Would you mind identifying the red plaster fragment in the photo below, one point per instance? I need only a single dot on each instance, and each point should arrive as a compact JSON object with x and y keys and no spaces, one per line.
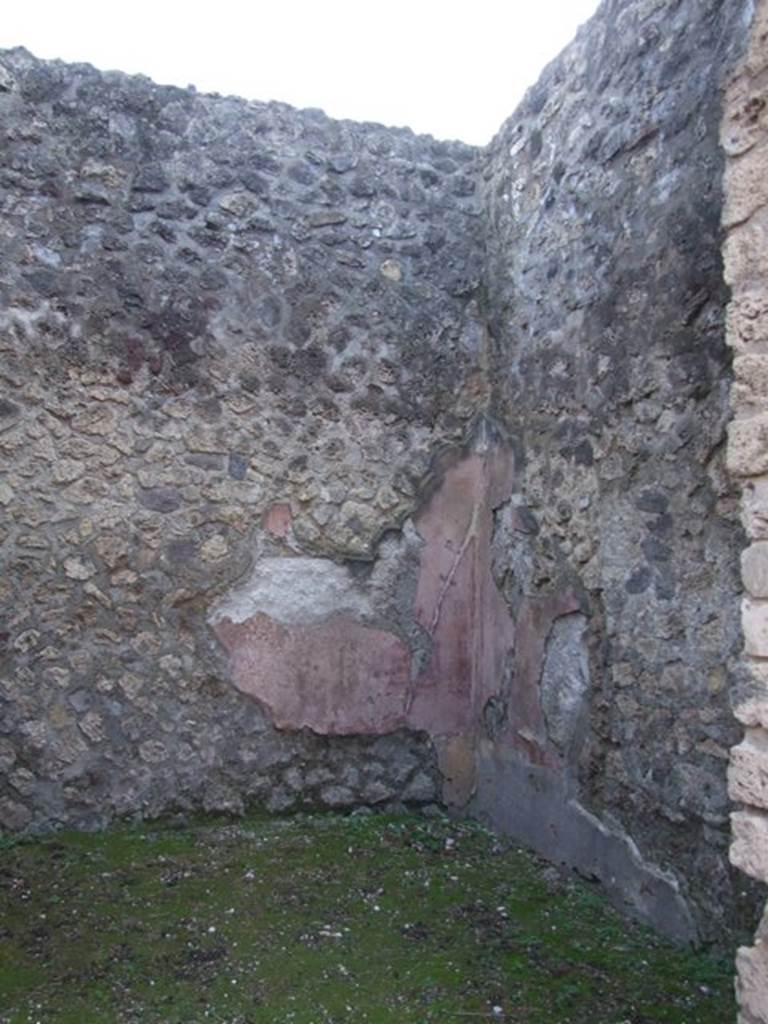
{"x":277,"y":521}
{"x":336,"y":677}
{"x":457,"y":600}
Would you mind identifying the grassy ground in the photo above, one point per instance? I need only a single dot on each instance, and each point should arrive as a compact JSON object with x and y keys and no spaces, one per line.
{"x":315,"y":920}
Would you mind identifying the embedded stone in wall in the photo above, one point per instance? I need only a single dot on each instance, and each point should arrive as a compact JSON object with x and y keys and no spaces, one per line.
{"x":748,"y":771}
{"x":754,"y":504}
{"x":754,"y":621}
{"x":748,"y":446}
{"x":749,"y":845}
{"x":748,"y":188}
{"x":750,"y":698}
{"x":754,"y":565}
{"x":746,"y":321}
{"x":752,"y":979}
{"x":565,"y":681}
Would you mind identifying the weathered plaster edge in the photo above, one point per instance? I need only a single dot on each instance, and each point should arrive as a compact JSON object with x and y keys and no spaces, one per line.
{"x":532,"y":805}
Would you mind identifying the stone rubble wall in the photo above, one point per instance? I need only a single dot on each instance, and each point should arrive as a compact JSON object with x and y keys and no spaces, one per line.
{"x":745,"y":219}
{"x":606,"y":310}
{"x":342,"y":467}
{"x":230,"y":333}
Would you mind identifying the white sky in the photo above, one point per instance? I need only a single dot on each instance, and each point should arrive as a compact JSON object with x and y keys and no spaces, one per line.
{"x":453,"y":69}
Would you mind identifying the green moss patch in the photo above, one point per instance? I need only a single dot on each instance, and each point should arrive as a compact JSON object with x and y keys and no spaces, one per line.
{"x":313,"y":920}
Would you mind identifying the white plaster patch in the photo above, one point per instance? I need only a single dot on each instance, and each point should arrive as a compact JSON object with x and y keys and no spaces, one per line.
{"x":294,"y":591}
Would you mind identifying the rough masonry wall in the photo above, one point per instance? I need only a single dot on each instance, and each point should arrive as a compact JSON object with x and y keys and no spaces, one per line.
{"x":745,"y":218}
{"x":343,"y":466}
{"x":233,"y":335}
{"x":620,"y":548}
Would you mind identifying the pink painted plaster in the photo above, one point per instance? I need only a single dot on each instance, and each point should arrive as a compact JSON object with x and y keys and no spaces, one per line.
{"x":277,"y":520}
{"x":457,"y":600}
{"x":339,"y":676}
{"x":335,"y":677}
